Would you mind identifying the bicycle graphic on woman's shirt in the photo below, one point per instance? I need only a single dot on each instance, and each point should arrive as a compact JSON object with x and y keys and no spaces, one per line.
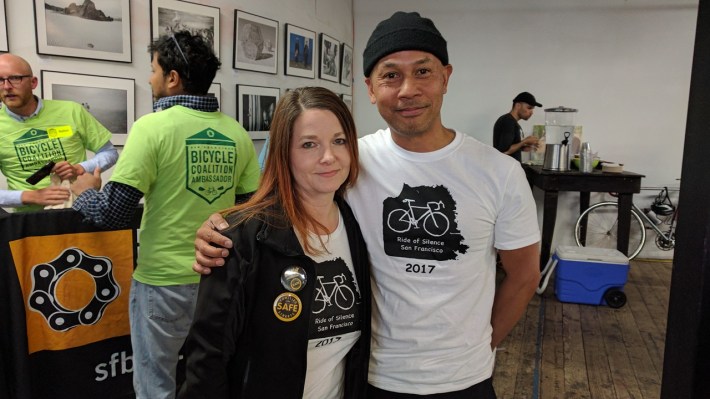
{"x":332,"y":292}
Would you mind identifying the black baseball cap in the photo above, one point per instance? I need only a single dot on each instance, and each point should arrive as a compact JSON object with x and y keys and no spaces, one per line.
{"x":526,"y":97}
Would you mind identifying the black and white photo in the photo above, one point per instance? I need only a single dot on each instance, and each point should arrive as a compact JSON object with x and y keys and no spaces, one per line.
{"x":96,"y":29}
{"x":255,"y":42}
{"x":170,"y":16}
{"x":329,"y":58}
{"x":300,"y":50}
{"x":110,"y":100}
{"x":4,"y":47}
{"x":346,"y":68}
{"x":255,"y":109}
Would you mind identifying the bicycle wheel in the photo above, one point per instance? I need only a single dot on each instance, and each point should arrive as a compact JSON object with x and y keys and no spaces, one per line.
{"x":344,"y":297}
{"x":602,"y":226}
{"x":436,"y":224}
{"x":398,"y":221}
{"x":319,"y":303}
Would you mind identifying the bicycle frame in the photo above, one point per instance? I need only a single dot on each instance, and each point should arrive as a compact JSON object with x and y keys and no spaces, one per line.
{"x":655,"y":228}
{"x":605,"y":225}
{"x":435,"y":223}
{"x":325,"y":299}
{"x":430,"y":208}
{"x":335,"y":284}
{"x":664,"y":240}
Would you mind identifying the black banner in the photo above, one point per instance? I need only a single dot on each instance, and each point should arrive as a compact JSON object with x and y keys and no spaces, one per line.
{"x":64,"y":286}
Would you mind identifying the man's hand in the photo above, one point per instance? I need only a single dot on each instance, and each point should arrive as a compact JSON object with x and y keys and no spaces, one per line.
{"x":529,"y":143}
{"x":87,"y":181}
{"x":206,"y":255}
{"x":67,"y":171}
{"x":52,"y":195}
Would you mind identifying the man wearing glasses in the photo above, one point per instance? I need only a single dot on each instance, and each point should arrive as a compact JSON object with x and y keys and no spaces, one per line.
{"x":35,"y":131}
{"x":188,"y":160}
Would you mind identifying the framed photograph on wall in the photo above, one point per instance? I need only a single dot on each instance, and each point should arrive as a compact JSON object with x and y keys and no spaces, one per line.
{"x":169,"y":16}
{"x":300,"y":47}
{"x":216,"y":91}
{"x":256,"y":42}
{"x":348,"y":100}
{"x":4,"y":47}
{"x":346,"y":65}
{"x":255,"y":109}
{"x":110,"y":100}
{"x":70,"y":30}
{"x":329,"y":58}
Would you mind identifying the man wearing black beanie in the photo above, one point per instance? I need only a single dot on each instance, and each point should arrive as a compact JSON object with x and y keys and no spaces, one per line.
{"x":435,"y":206}
{"x":436,"y":313}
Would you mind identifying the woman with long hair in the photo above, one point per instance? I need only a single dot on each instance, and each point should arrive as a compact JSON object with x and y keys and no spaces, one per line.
{"x":289,"y":314}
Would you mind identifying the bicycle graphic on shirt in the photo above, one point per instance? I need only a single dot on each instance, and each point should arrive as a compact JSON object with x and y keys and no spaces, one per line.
{"x":432,"y":221}
{"x":340,"y":294}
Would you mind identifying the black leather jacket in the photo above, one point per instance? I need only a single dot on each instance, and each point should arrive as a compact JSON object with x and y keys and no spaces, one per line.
{"x":237,"y":348}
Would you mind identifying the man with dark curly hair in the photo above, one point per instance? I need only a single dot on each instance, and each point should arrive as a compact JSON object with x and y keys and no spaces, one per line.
{"x":188,"y":160}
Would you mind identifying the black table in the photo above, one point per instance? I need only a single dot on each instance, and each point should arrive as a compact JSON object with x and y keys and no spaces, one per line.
{"x":552,"y":182}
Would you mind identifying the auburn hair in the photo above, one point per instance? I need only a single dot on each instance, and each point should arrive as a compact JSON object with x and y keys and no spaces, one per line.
{"x":277,"y":182}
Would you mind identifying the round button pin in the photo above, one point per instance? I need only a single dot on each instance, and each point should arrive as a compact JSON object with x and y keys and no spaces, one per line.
{"x":287,"y":306}
{"x":294,"y":278}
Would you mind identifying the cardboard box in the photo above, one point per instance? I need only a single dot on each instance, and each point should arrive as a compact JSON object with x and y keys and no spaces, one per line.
{"x":585,"y":274}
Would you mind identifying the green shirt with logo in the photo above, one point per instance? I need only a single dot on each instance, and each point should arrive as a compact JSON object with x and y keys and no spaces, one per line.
{"x":188,"y":164}
{"x":61,"y":131}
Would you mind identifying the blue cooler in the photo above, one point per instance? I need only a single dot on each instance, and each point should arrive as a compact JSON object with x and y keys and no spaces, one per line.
{"x":593,"y":276}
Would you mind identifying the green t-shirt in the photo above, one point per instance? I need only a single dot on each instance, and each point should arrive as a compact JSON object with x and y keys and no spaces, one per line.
{"x":188,"y":164}
{"x":61,"y":131}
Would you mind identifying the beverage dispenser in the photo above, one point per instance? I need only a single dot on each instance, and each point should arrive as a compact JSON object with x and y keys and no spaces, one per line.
{"x":558,"y":121}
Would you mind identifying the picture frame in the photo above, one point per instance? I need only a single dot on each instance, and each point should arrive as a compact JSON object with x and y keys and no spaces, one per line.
{"x":300,"y":50}
{"x":256,"y":42}
{"x":4,"y":46}
{"x":216,"y":90}
{"x":346,"y":65}
{"x":104,"y":34}
{"x":329,"y":58}
{"x":255,"y":109}
{"x":168,"y":16}
{"x":110,"y":100}
{"x":348,"y":100}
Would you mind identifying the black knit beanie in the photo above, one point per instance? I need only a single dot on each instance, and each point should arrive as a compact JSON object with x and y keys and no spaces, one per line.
{"x":403,"y":31}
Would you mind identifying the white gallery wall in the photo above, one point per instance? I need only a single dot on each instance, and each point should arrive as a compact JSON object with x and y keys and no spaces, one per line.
{"x":332,"y":17}
{"x":624,"y":64}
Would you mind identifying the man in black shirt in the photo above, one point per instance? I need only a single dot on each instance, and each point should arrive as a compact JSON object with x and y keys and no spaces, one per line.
{"x":507,"y":133}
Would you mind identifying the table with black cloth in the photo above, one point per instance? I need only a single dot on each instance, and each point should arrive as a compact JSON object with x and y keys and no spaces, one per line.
{"x":625,"y":184}
{"x":64,"y":287}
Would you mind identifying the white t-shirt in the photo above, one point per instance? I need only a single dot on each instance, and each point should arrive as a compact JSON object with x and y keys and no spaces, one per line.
{"x":334,"y":321}
{"x":432,"y":223}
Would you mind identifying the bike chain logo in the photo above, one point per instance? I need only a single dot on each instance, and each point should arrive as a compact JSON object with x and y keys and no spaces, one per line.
{"x":46,"y":277}
{"x":421,"y":223}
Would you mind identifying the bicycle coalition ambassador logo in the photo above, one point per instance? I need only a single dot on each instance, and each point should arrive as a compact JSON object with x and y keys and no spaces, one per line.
{"x":421,"y":223}
{"x":47,"y":299}
{"x":211,"y":159}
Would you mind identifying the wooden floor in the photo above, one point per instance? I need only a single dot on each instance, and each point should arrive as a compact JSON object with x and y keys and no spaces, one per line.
{"x":564,"y":350}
